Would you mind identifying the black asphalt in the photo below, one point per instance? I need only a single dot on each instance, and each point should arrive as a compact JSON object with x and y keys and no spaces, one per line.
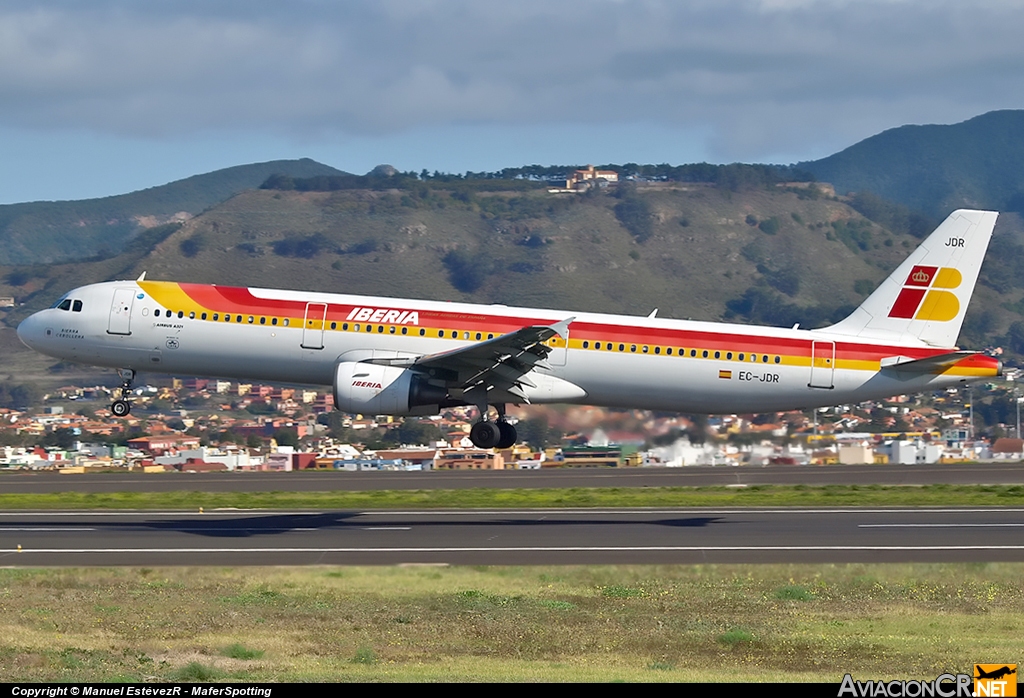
{"x":313,"y":481}
{"x":548,"y":536}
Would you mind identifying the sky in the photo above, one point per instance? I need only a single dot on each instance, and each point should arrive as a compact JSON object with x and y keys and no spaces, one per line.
{"x":99,"y":97}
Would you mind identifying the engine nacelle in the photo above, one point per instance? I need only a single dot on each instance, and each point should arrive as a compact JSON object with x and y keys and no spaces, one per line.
{"x":363,"y":388}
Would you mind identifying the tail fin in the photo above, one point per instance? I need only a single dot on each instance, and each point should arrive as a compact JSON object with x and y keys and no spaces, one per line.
{"x":926,"y":298}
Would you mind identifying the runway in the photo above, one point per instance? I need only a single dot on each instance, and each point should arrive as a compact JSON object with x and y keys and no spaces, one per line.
{"x":695,"y":476}
{"x":523,"y":537}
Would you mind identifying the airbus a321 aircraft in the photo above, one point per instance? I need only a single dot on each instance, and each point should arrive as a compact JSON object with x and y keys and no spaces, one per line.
{"x":394,"y":356}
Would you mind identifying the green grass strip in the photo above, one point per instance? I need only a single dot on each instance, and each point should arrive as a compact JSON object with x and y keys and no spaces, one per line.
{"x":765,"y":496}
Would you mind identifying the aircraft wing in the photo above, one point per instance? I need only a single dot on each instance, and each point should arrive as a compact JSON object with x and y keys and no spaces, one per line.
{"x":498,"y":364}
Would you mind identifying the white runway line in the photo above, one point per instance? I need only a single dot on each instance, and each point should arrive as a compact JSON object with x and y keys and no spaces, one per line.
{"x":941,"y":525}
{"x":530,"y":549}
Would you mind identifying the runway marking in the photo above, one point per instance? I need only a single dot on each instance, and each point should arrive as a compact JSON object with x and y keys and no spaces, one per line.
{"x":530,"y":549}
{"x":44,"y":528}
{"x":941,"y":525}
{"x":387,"y":528}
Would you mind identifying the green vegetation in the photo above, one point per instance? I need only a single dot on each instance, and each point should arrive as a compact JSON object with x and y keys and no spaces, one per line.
{"x":239,"y":651}
{"x":760,"y":495}
{"x":579,"y":623}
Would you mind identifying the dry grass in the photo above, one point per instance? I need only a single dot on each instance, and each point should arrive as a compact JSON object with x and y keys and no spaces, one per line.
{"x":671,"y":623}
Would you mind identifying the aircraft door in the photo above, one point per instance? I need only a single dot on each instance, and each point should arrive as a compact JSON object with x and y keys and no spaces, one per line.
{"x":120,"y":320}
{"x":823,"y":360}
{"x":313,"y":326}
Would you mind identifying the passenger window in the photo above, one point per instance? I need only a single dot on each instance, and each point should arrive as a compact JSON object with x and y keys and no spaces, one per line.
{"x":657,"y":350}
{"x":422,"y":332}
{"x":632,"y":348}
{"x":355,"y":328}
{"x":440,"y":333}
{"x":778,"y":359}
{"x":273,"y":321}
{"x":490,"y":335}
{"x":479,"y":336}
{"x":181,"y":314}
{"x":391,"y":329}
{"x":764,"y":358}
{"x":65,"y":305}
{"x":250,"y":319}
{"x":285,"y":322}
{"x":334,"y":325}
{"x":693,"y":352}
{"x":405,"y":330}
{"x":238,"y":318}
{"x":705,"y":353}
{"x":380,"y":329}
{"x":192,"y":315}
{"x":741,"y":357}
{"x":644,"y":349}
{"x":76,"y":307}
{"x":227,"y":318}
{"x":263,"y":321}
{"x":216,"y":317}
{"x":203,"y":316}
{"x":156,"y":313}
{"x":586,"y":345}
{"x":718,"y":354}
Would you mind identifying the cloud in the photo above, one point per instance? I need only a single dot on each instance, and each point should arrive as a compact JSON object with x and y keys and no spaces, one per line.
{"x":763,"y":78}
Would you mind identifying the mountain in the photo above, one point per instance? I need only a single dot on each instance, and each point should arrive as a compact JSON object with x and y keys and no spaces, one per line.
{"x":769,"y":254}
{"x":936,"y":169}
{"x":44,"y":232}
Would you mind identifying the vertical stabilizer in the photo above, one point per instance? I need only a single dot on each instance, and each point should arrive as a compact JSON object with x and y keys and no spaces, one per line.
{"x":926,"y":298}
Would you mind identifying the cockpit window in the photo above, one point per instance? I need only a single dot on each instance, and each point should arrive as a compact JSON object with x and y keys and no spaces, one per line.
{"x":76,"y":307}
{"x":65,"y":304}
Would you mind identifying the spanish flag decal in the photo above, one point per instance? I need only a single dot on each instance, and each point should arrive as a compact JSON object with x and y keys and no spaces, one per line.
{"x":725,"y":374}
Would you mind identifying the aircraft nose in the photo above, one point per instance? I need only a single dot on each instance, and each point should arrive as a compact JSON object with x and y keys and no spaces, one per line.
{"x":28,"y":331}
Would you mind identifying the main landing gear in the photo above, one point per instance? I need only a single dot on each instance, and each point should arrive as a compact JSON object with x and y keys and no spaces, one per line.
{"x":121,"y":407}
{"x":497,"y":434}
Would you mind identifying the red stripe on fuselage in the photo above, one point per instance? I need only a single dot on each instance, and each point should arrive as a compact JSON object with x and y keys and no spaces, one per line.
{"x":234,"y":299}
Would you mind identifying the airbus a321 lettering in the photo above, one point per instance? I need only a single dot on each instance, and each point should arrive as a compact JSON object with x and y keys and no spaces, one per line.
{"x":408,"y":357}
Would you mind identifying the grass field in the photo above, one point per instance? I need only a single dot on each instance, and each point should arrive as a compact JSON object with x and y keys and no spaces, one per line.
{"x":760,"y":495}
{"x":632,"y":623}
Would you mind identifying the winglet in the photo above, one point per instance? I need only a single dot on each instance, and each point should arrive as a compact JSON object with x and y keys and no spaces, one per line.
{"x":562,"y":328}
{"x":142,"y":277}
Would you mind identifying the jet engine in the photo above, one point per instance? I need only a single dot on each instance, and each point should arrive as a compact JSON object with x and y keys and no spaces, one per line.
{"x":364,"y":388}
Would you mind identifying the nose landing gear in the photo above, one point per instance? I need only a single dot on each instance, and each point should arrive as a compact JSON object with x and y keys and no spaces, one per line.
{"x":121,"y":407}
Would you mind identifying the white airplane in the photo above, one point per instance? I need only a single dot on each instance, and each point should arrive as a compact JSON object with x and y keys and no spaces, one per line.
{"x":407,"y":357}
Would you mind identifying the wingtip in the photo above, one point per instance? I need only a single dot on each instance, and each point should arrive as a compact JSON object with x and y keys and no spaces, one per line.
{"x":562,"y":328}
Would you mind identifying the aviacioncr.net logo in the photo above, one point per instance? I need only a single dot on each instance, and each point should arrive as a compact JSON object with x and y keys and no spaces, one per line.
{"x":943,"y":686}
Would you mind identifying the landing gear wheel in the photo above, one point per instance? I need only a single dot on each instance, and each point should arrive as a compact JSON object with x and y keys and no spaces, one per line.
{"x":508,"y":434}
{"x":121,"y":406}
{"x":485,"y":435}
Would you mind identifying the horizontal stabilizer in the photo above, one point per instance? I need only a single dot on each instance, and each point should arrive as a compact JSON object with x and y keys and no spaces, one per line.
{"x":932,"y":364}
